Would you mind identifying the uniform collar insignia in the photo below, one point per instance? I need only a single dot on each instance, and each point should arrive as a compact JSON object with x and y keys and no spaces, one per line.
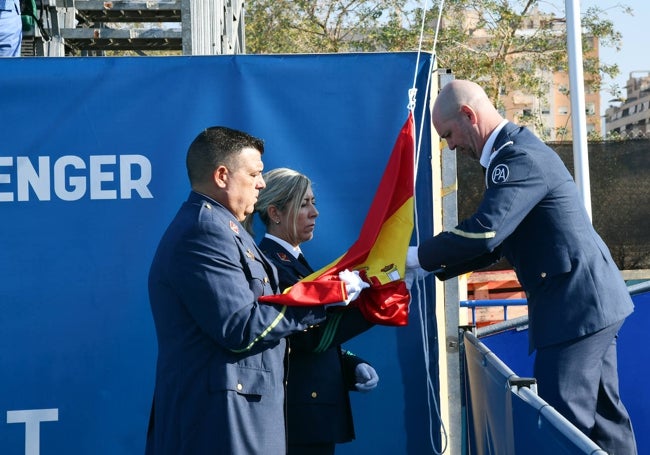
{"x":250,"y":254}
{"x":234,"y":227}
{"x":283,"y":257}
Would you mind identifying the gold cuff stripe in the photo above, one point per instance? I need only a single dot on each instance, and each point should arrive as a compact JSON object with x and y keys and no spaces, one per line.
{"x":266,"y":331}
{"x":474,"y":235}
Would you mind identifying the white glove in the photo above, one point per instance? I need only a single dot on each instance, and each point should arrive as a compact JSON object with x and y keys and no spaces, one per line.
{"x":413,"y":270}
{"x":366,"y":377}
{"x":412,"y":275}
{"x":353,"y":284}
{"x":412,"y":260}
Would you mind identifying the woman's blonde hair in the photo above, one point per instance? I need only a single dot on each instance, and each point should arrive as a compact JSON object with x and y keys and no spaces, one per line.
{"x":285,"y":190}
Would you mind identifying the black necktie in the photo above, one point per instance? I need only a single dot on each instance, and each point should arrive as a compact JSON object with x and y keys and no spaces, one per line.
{"x":304,"y":262}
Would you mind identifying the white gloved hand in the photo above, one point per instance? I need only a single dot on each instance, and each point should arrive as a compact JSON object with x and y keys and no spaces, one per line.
{"x":412,"y":260}
{"x":353,"y":284}
{"x":413,"y":270}
{"x":366,"y":377}
{"x":412,"y":275}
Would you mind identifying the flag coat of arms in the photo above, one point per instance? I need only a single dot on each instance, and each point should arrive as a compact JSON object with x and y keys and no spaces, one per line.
{"x":379,"y":253}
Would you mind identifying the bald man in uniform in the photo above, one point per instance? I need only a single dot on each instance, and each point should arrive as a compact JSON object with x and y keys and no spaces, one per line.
{"x":532,"y":214}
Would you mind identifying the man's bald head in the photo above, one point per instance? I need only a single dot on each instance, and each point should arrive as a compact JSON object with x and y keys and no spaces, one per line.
{"x":464,"y":116}
{"x":459,"y":93}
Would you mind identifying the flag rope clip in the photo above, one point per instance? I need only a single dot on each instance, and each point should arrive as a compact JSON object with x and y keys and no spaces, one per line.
{"x":412,"y":92}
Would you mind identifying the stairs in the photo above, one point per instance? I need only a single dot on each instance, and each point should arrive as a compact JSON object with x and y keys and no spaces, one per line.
{"x":120,"y":26}
{"x":92,"y":27}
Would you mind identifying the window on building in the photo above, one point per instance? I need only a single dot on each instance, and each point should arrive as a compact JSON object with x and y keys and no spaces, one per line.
{"x":563,"y":110}
{"x":590,"y":109}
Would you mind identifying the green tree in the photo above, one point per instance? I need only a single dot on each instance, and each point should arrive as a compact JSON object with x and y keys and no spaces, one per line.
{"x":323,"y":26}
{"x":485,"y":40}
{"x":481,"y":40}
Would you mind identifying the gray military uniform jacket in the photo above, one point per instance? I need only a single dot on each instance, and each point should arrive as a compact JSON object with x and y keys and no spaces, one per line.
{"x":220,"y":374}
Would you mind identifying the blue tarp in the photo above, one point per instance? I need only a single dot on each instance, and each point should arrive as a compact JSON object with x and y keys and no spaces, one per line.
{"x":633,"y":364}
{"x":506,"y":417}
{"x":92,"y":170}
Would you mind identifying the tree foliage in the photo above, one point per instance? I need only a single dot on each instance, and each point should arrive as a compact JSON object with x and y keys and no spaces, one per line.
{"x":481,"y":40}
{"x":323,"y":26}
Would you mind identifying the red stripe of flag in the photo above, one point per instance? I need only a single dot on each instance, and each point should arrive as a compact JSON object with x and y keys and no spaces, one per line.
{"x":384,"y":302}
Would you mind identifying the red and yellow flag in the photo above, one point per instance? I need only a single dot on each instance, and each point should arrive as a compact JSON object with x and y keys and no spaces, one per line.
{"x":379,"y":254}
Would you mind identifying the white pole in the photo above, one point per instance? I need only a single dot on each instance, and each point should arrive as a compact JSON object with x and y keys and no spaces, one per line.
{"x":578,"y":114}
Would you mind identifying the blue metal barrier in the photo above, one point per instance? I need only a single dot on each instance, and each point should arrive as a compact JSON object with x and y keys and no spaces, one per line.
{"x":504,"y":303}
{"x":639,"y":288}
{"x":506,"y":416}
{"x":540,"y":429}
{"x":543,"y":428}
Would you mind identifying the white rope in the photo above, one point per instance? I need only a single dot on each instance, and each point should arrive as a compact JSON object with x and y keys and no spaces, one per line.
{"x":431,"y":64}
{"x":432,"y":403}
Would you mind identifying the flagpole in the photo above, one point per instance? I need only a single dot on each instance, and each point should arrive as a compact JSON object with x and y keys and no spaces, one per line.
{"x":578,"y":113}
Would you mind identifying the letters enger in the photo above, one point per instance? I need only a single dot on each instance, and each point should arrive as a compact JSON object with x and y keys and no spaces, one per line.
{"x":71,"y":177}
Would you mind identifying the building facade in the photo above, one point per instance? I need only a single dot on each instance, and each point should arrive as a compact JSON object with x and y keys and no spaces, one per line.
{"x":631,"y":118}
{"x":549,"y":116}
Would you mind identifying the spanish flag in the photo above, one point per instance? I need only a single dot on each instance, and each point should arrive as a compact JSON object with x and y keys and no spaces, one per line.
{"x":379,"y":254}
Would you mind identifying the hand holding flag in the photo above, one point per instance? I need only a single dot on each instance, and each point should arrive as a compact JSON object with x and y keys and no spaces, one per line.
{"x":353,"y":284}
{"x":414,"y":271}
{"x":353,"y":287}
{"x":379,"y":254}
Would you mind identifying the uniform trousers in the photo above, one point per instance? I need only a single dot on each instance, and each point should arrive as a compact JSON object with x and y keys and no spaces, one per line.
{"x":579,"y":378}
{"x":326,"y":448}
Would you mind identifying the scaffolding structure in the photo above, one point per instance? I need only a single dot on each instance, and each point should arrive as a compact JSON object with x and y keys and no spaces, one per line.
{"x":92,"y":27}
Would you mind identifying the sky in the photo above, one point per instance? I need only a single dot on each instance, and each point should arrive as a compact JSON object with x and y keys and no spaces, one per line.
{"x":634,"y":54}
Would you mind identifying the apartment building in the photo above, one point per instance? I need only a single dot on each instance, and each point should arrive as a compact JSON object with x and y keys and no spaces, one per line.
{"x":550,"y":116}
{"x":630,"y":118}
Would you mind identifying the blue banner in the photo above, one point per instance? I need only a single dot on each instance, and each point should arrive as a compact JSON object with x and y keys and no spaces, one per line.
{"x":92,"y":169}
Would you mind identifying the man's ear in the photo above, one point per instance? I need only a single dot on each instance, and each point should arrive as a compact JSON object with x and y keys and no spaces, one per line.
{"x":220,"y":176}
{"x":468,"y":112}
